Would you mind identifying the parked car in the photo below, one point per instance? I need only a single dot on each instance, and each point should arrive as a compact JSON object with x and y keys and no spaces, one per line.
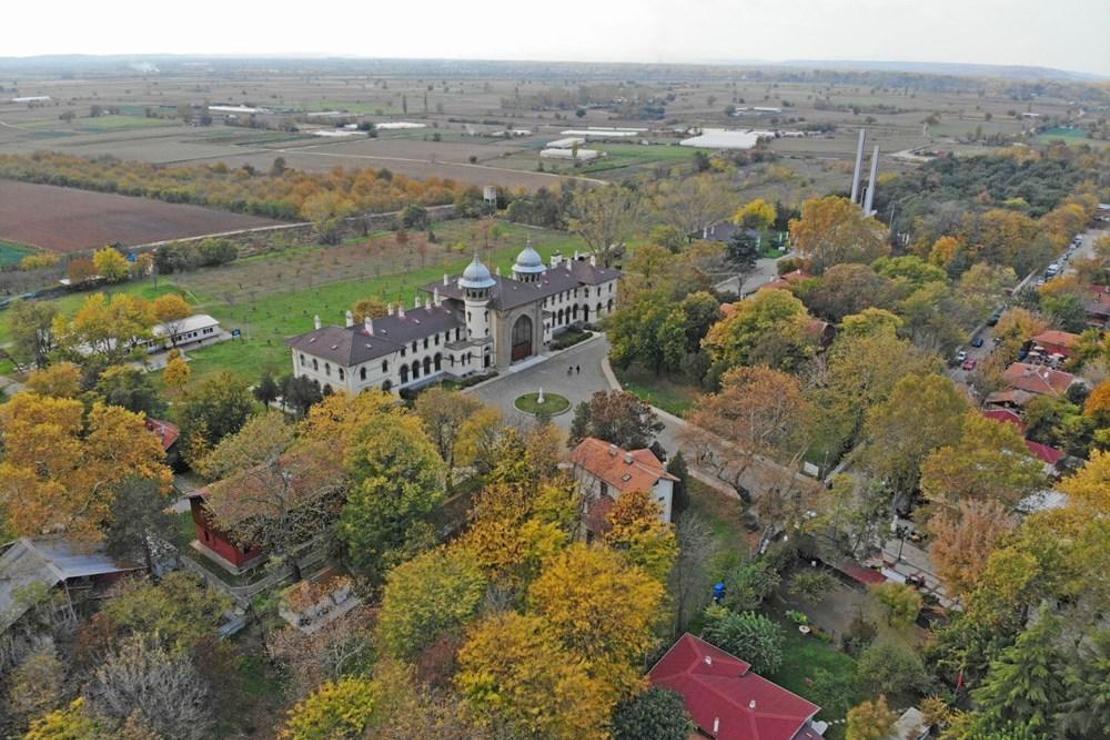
{"x":961,"y":356}
{"x":977,"y":342}
{"x":969,"y":364}
{"x":993,"y":320}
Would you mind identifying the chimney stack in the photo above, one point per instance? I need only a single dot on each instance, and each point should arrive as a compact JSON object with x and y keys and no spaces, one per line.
{"x":368,"y":324}
{"x":872,"y":182}
{"x":389,"y":309}
{"x":400,"y":310}
{"x":316,"y":321}
{"x":350,"y":319}
{"x":416,"y":302}
{"x":436,"y":298}
{"x":593,"y":260}
{"x":445,"y":280}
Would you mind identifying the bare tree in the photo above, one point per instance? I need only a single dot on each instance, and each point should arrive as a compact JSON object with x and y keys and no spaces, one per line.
{"x":165,"y":689}
{"x":690,"y":576}
{"x":605,"y":217}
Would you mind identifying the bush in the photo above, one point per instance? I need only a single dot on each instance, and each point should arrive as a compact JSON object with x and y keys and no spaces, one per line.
{"x":749,"y":636}
{"x":887,"y":667}
{"x":656,"y":714}
{"x":213,"y":252}
{"x":569,"y":338}
{"x":810,"y":586}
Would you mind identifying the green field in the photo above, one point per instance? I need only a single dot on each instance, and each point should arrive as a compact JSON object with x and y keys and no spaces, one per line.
{"x":269,"y":300}
{"x":11,"y":253}
{"x":665,"y":392}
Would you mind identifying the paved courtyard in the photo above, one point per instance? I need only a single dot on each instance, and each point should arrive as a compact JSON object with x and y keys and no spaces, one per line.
{"x":551,"y":375}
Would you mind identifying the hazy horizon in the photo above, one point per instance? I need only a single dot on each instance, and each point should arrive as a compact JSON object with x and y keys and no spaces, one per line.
{"x":1023,"y":33}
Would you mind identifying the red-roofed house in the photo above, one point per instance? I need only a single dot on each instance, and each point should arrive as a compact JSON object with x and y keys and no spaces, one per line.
{"x":726,"y":700}
{"x":606,"y":471}
{"x":1057,"y":342}
{"x":165,"y":431}
{"x":787,"y":279}
{"x":1037,"y":379}
{"x":1048,"y":455}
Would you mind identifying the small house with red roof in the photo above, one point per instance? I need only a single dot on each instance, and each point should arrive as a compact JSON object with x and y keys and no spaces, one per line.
{"x":727,"y":700}
{"x":1037,"y":379}
{"x":1045,"y":453}
{"x":605,"y":471}
{"x":1055,"y":342}
{"x":786,"y":280}
{"x":166,"y":432}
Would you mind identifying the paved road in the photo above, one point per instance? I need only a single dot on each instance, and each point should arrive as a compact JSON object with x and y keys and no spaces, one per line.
{"x":1085,"y":250}
{"x":765,"y":271}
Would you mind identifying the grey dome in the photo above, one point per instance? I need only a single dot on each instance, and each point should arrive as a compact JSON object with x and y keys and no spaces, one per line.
{"x":529,"y":261}
{"x":476,"y":275}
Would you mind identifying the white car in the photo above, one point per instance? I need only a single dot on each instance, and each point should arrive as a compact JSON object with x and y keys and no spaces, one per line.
{"x":961,"y":356}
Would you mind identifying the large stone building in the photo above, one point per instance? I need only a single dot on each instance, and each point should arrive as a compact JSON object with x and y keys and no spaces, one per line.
{"x":467,"y":324}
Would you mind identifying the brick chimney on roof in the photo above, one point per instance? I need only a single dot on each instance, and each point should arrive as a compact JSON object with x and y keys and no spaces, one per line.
{"x":350,"y":319}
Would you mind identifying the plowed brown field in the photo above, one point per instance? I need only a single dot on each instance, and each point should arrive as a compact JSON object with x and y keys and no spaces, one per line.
{"x":70,"y":220}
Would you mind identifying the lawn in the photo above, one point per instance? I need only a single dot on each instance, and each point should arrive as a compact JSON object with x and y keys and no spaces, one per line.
{"x":273,"y":296}
{"x":668,"y":393}
{"x":724,"y":514}
{"x":11,"y":253}
{"x":552,"y":404}
{"x":804,"y":656}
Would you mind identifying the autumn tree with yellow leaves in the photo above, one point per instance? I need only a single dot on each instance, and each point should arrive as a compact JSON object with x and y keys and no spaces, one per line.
{"x":62,"y":465}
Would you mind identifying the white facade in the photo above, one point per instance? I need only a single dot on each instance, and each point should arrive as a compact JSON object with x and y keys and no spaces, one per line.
{"x":469,"y":324}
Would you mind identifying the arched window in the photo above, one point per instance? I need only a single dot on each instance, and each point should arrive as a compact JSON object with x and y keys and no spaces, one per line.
{"x":362,"y":373}
{"x":315,"y":364}
{"x":342,"y":375}
{"x":415,"y":369}
{"x":302,"y":360}
{"x":327,"y":369}
{"x":385,"y":366}
{"x":404,"y":374}
{"x":425,"y":343}
{"x":427,"y":365}
{"x":574,"y":312}
{"x":610,"y":306}
{"x":438,"y":362}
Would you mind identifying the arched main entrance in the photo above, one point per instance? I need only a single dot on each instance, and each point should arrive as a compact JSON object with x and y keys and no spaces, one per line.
{"x":522,"y":338}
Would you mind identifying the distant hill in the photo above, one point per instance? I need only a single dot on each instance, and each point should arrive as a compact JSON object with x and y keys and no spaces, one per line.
{"x":957,"y":69}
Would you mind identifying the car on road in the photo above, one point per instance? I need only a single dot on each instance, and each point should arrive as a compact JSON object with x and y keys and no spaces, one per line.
{"x":977,"y":342}
{"x":994,"y":317}
{"x":1052,"y":269}
{"x":961,"y":356}
{"x":969,"y":364}
{"x":1039,"y":283}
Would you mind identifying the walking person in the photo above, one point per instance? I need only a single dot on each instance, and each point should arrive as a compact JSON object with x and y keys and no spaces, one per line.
{"x":577,"y":369}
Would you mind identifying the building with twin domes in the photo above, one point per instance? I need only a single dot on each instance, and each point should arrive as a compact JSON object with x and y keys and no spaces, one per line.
{"x":467,"y":324}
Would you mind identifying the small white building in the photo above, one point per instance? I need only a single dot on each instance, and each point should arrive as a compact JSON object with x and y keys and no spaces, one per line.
{"x":605,"y":472}
{"x":567,"y":143}
{"x":577,"y":155}
{"x":193,"y":331}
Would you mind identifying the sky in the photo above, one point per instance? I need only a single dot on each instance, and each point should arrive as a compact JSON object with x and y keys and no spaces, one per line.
{"x":1064,"y":34}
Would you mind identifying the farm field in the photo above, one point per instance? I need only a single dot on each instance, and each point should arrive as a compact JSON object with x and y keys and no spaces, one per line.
{"x":11,"y":253}
{"x":462,"y":107}
{"x":70,"y":220}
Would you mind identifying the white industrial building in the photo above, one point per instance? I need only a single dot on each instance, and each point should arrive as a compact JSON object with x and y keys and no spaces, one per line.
{"x":577,"y":155}
{"x":720,"y":138}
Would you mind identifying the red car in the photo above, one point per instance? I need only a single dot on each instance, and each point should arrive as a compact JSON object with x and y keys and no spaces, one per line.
{"x":969,"y":364}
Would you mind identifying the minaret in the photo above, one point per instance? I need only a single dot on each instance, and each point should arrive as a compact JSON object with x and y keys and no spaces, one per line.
{"x":859,"y":165}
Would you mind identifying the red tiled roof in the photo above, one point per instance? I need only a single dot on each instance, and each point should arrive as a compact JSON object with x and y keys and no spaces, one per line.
{"x":1044,"y":453}
{"x":857,"y":572}
{"x":1037,"y":379}
{"x":720,"y":689}
{"x":1064,"y":339}
{"x":166,"y":431}
{"x":784,"y":281}
{"x":1005,"y":416}
{"x":635,"y":470}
